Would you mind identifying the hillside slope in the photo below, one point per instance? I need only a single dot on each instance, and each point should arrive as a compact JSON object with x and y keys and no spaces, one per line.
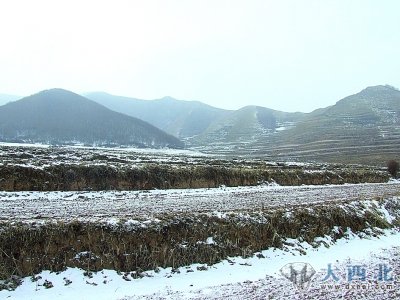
{"x":203,"y":126}
{"x":4,"y":98}
{"x":243,"y":129}
{"x":363,"y":128}
{"x":59,"y":116}
{"x":177,"y":117}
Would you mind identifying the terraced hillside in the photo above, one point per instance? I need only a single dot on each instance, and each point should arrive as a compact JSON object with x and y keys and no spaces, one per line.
{"x":243,"y":128}
{"x":362,"y":128}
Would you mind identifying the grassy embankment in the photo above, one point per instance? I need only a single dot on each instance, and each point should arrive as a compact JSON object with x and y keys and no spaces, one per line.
{"x":179,"y":240}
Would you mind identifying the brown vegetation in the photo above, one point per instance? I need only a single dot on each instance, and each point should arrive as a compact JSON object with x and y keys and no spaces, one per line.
{"x":154,"y":176}
{"x":26,"y":249}
{"x":393,"y":167}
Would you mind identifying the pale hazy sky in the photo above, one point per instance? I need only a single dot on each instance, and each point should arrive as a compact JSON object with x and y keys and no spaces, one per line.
{"x":291,"y":55}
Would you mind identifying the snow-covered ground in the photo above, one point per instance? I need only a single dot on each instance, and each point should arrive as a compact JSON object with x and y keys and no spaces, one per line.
{"x":167,"y":151}
{"x":95,"y":206}
{"x":42,"y":156}
{"x":257,"y":277}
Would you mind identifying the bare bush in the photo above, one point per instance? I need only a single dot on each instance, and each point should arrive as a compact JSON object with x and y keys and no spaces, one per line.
{"x":393,"y":167}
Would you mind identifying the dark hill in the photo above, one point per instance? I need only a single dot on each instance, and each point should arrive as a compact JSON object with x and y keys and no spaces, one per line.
{"x":62,"y":117}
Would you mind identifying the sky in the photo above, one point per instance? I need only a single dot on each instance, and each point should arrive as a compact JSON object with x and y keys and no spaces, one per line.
{"x":290,"y":55}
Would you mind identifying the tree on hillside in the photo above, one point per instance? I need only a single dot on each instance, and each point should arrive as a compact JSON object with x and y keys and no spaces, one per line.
{"x":393,"y":167}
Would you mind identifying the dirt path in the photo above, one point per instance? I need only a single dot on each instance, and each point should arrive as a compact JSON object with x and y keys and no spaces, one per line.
{"x":31,"y":206}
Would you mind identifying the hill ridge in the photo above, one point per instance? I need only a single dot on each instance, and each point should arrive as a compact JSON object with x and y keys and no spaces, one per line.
{"x":61,"y":116}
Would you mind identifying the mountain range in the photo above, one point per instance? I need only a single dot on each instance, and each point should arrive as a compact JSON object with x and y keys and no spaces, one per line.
{"x":58,"y":116}
{"x":177,"y":117}
{"x":361,"y":128}
{"x":194,"y":120}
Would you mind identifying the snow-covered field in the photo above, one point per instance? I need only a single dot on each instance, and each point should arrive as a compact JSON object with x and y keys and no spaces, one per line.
{"x":370,"y":257}
{"x":257,"y":277}
{"x":109,"y":205}
{"x":41,"y":156}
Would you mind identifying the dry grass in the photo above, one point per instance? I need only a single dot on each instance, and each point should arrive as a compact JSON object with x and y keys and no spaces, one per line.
{"x":174,"y":241}
{"x":150,"y":176}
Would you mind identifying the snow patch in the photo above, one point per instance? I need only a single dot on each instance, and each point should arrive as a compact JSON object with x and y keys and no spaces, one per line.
{"x":196,"y":279}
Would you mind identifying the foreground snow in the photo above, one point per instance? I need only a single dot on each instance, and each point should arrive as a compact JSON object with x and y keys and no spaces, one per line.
{"x":257,"y":277}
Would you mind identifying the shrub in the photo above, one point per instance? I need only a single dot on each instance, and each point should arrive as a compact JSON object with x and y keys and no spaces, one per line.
{"x":393,"y":167}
